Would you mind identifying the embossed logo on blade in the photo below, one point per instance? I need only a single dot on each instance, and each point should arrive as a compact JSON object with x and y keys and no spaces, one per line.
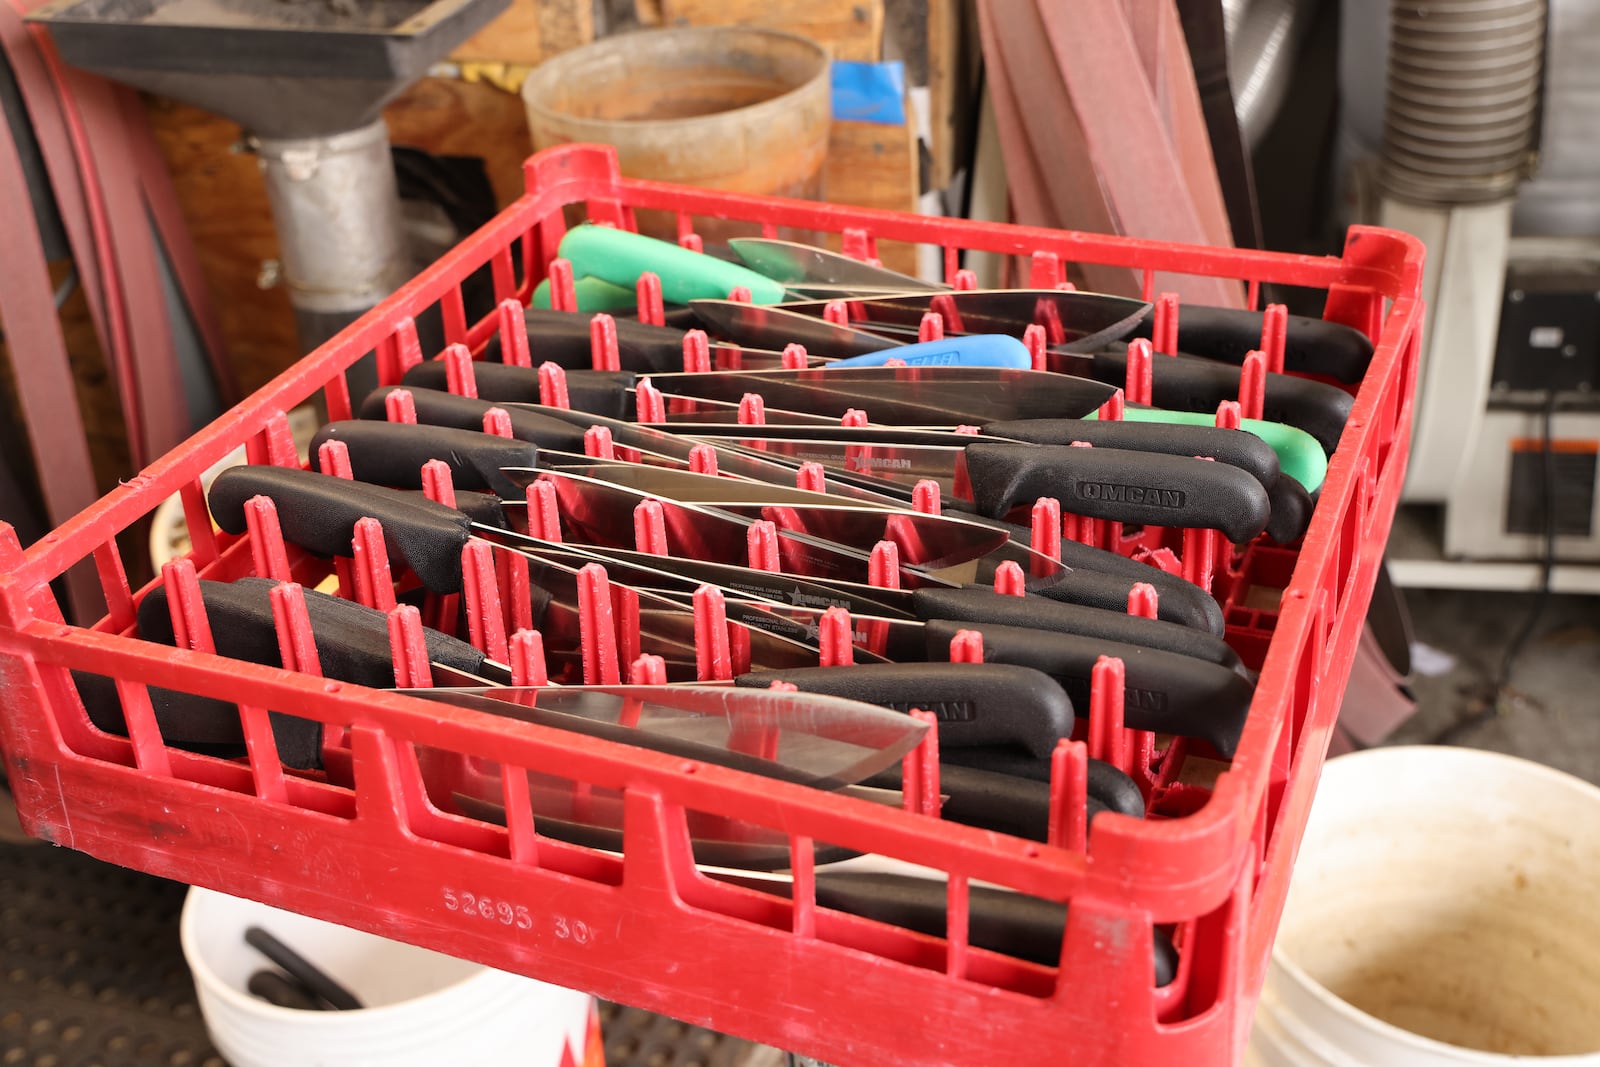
{"x":1131,"y":494}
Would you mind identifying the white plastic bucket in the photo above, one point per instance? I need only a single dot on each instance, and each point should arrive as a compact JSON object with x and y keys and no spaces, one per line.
{"x":1445,"y":910}
{"x":421,"y":1008}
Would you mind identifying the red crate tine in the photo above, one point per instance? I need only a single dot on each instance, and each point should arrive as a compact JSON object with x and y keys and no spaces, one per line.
{"x":739,"y":648}
{"x":1252,"y":294}
{"x":650,"y":528}
{"x":740,"y":294}
{"x":625,"y":623}
{"x":964,"y":281}
{"x":563,"y":288}
{"x":1164,"y":327}
{"x":931,"y":328}
{"x":1009,"y":579}
{"x":553,"y":386}
{"x":691,"y":241}
{"x":883,"y":566}
{"x":1069,"y":796}
{"x":703,"y":459}
{"x":191,"y":628}
{"x":597,"y":443}
{"x":333,"y":457}
{"x":1274,"y":335}
{"x":761,"y":537}
{"x":1112,"y":409}
{"x":966,"y":647}
{"x":513,"y":335}
{"x":278,"y":442}
{"x":513,"y":574}
{"x":1218,"y":872}
{"x":1253,"y":385}
{"x":269,"y":555}
{"x":968,"y":429}
{"x":652,"y":311}
{"x":1107,"y":702}
{"x":1199,"y":554}
{"x":407,"y":346}
{"x":438,"y":483}
{"x":296,"y":647}
{"x":927,"y":757}
{"x":1044,"y":270}
{"x":836,"y":639}
{"x":1034,"y":338}
{"x":854,"y":417}
{"x":648,"y":670}
{"x":400,"y":406}
{"x":597,"y":626}
{"x":857,"y":243}
{"x":925,"y":497}
{"x":374,"y":582}
{"x":1137,"y":388}
{"x":1229,"y":415}
{"x":544,"y":517}
{"x":1143,"y":600}
{"x":408,"y":648}
{"x":895,"y":361}
{"x":527,"y":658}
{"x":486,"y":628}
{"x":696,"y":352}
{"x":1045,"y":533}
{"x":459,"y":376}
{"x":649,"y":404}
{"x":713,"y":660}
{"x":952,"y":263}
{"x":752,"y":410}
{"x":836,"y":312}
{"x":604,"y":353}
{"x":1066,"y":287}
{"x":794,"y":357}
{"x":497,"y":421}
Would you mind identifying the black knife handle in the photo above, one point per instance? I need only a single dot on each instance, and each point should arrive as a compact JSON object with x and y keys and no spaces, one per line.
{"x":393,"y":454}
{"x":1166,"y":692}
{"x":1016,"y":804}
{"x":598,"y":392}
{"x":1233,"y":447}
{"x":976,"y":604}
{"x":1291,"y":510}
{"x":562,"y":337}
{"x":436,"y":408}
{"x":1188,"y":383}
{"x":1107,"y":784}
{"x":1110,"y":483}
{"x":1313,"y":346}
{"x":352,"y":640}
{"x":1013,"y":924}
{"x":974,"y":703}
{"x":319,"y":513}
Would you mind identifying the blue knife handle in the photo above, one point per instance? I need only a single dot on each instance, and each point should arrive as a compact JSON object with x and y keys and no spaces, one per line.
{"x":973,"y":350}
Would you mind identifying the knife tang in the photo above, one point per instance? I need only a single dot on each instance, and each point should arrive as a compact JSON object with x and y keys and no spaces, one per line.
{"x":1233,"y":447}
{"x":1108,"y":483}
{"x":975,"y":703}
{"x":1189,"y":383}
{"x":1166,"y":692}
{"x":393,"y":454}
{"x":1313,"y":346}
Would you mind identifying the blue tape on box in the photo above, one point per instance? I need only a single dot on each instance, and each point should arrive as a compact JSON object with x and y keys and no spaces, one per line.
{"x":869,"y":92}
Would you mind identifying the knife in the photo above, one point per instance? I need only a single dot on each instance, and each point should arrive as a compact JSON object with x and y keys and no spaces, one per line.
{"x":802,"y":268}
{"x":1097,"y":577}
{"x":1314,"y":346}
{"x":1190,"y":384}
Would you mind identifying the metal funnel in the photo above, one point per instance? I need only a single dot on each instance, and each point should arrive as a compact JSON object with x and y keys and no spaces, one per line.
{"x":307,"y":79}
{"x":279,"y":68}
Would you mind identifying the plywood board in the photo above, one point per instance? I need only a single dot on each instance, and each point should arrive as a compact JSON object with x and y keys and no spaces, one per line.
{"x":530,"y":31}
{"x":873,"y":165}
{"x":851,"y":29}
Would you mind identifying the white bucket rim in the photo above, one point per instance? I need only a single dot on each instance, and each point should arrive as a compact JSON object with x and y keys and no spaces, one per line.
{"x":242,"y":1001}
{"x":1394,"y":1033}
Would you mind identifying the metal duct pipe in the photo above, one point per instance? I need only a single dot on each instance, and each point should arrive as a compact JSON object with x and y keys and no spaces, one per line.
{"x":1460,"y":119}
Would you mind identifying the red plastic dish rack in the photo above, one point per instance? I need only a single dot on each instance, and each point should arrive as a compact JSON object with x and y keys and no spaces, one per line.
{"x":645,"y":927}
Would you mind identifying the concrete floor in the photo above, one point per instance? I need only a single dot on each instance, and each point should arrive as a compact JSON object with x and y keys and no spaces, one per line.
{"x":1549,"y":711}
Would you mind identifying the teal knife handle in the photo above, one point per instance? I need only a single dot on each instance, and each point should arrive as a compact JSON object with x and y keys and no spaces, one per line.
{"x":619,"y":257}
{"x":1299,"y":455}
{"x":592,"y":294}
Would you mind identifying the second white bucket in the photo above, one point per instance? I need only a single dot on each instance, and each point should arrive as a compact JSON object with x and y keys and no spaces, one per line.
{"x":1443,"y":912}
{"x":423,"y":1009}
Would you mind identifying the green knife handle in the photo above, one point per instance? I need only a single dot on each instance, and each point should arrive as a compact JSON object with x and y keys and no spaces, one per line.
{"x":1299,"y":455}
{"x":619,"y":257}
{"x":592,"y":295}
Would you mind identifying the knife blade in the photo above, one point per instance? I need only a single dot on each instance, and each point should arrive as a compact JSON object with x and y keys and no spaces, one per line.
{"x":802,"y":268}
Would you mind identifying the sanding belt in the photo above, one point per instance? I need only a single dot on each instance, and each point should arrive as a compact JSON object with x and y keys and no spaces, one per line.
{"x":110,"y":185}
{"x":1103,"y":130}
